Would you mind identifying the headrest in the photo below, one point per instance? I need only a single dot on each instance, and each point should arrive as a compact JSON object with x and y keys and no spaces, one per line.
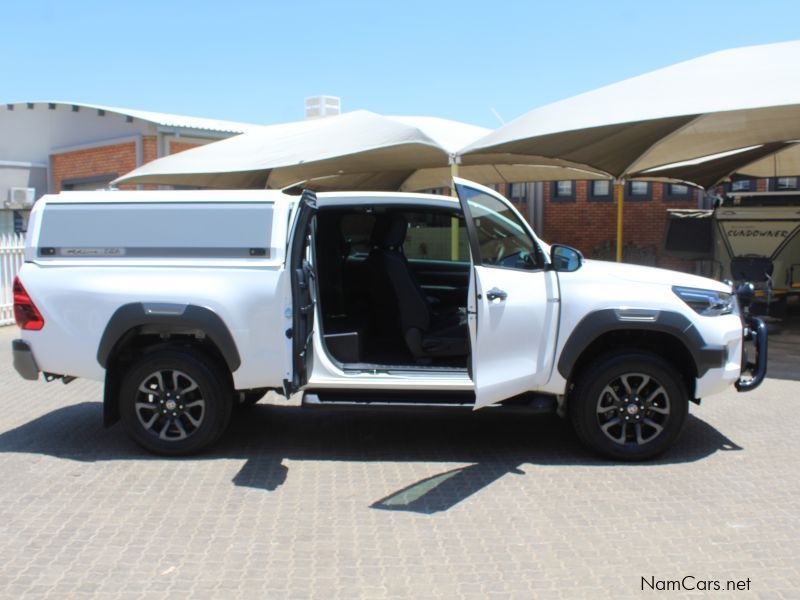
{"x":389,"y":231}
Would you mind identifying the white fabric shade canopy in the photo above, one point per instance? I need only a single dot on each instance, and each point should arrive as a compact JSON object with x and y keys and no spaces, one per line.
{"x":784,"y":161}
{"x":727,"y":101}
{"x":356,"y":150}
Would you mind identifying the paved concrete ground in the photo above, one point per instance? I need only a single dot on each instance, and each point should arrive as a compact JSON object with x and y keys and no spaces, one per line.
{"x":316,"y":504}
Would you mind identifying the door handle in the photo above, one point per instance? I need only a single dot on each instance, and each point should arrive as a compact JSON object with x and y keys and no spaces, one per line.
{"x":496,"y":294}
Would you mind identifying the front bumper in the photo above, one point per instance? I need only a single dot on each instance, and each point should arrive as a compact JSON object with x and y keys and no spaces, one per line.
{"x":24,"y":362}
{"x":753,"y":373}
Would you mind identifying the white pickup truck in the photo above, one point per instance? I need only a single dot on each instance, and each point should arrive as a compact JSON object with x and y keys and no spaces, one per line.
{"x":187,"y":303}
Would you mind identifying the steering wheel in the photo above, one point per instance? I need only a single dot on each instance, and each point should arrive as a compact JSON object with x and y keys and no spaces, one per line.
{"x":525,"y":258}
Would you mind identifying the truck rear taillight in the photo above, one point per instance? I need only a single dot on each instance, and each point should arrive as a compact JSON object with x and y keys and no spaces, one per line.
{"x":25,"y":312}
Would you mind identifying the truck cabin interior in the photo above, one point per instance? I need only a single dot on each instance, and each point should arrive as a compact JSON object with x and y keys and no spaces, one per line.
{"x":392,"y":286}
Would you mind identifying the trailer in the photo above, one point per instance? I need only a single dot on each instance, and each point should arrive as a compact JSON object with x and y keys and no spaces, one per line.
{"x":748,"y":237}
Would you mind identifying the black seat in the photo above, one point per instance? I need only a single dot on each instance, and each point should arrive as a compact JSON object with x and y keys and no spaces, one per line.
{"x":396,"y":290}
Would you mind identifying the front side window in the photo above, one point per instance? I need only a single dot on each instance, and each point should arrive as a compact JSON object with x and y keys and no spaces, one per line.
{"x":786,"y":183}
{"x":502,"y":238}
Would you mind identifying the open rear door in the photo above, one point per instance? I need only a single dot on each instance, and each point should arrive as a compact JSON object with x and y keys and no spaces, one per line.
{"x":513,"y":300}
{"x":301,"y":273}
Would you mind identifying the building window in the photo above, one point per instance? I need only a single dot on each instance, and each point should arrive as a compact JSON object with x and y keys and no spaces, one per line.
{"x":743,"y":185}
{"x":518,"y":192}
{"x":677,"y":191}
{"x":88,"y":184}
{"x":562,"y":191}
{"x":600,"y":190}
{"x":783,"y":184}
{"x":637,"y":190}
{"x":440,"y":191}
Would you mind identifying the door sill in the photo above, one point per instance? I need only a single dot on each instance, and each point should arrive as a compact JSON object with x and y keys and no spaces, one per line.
{"x":384,"y":368}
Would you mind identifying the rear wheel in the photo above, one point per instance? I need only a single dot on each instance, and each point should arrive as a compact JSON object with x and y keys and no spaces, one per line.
{"x":175,"y":402}
{"x":629,"y":406}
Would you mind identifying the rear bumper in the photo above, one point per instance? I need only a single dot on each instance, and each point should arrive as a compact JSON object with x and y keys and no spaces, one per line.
{"x":753,"y":373}
{"x":24,"y":362}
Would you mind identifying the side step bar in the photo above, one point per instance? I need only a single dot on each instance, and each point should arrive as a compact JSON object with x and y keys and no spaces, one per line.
{"x":527,"y":403}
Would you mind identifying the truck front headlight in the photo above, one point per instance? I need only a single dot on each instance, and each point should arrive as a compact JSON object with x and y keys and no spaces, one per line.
{"x":709,"y":303}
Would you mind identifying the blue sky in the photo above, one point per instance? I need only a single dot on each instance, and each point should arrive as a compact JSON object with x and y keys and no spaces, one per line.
{"x":257,"y":61}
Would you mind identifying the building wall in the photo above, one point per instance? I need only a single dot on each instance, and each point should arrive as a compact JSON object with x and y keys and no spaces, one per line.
{"x":98,"y":162}
{"x":590,"y":224}
{"x":175,"y":147}
{"x":50,"y":146}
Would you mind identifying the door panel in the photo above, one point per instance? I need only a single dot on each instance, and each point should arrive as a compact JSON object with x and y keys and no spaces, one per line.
{"x":301,"y":274}
{"x":515,"y":335}
{"x":514,"y":310}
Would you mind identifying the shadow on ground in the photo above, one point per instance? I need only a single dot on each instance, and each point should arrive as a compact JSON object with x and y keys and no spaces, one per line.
{"x":494,"y":445}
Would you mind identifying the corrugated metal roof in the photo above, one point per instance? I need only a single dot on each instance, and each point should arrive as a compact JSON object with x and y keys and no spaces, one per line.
{"x":164,"y":119}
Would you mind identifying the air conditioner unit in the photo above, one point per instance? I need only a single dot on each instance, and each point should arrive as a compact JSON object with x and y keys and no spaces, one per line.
{"x":20,"y":198}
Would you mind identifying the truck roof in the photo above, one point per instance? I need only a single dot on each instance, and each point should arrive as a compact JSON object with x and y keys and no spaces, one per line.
{"x":258,"y":196}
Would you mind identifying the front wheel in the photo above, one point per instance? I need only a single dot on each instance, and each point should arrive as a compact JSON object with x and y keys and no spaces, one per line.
{"x":175,"y":402}
{"x":629,"y":406}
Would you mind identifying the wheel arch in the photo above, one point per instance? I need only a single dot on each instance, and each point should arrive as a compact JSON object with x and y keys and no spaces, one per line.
{"x":134,"y":328}
{"x":667,"y":334}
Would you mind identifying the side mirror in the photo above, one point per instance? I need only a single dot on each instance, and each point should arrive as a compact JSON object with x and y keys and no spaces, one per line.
{"x":565,"y":259}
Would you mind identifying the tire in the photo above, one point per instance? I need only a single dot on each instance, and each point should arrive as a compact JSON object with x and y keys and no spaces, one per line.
{"x":175,"y":402}
{"x":248,"y":398}
{"x":629,"y":406}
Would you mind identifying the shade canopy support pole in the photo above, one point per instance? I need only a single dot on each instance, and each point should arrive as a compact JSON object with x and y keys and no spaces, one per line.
{"x":455,"y":161}
{"x":619,"y":186}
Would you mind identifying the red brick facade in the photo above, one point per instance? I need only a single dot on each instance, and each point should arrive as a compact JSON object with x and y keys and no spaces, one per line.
{"x":591,"y":224}
{"x":175,"y":147}
{"x":107,"y":161}
{"x":149,"y":148}
{"x":112,"y":160}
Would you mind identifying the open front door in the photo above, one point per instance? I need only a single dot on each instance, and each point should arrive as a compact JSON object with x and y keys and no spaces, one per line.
{"x":302,"y":302}
{"x":513,"y":300}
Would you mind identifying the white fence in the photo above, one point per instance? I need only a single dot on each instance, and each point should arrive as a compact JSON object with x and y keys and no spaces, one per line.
{"x":11,"y":246}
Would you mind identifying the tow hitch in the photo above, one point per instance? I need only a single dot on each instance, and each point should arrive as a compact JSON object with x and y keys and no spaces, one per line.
{"x":753,"y":373}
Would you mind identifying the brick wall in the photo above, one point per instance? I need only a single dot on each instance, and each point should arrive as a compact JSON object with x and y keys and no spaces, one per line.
{"x":175,"y":147}
{"x":114,"y":159}
{"x":149,"y":148}
{"x":591,"y":225}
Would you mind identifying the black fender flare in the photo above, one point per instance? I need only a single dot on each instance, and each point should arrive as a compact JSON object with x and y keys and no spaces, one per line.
{"x":168,"y":318}
{"x":598,"y":323}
